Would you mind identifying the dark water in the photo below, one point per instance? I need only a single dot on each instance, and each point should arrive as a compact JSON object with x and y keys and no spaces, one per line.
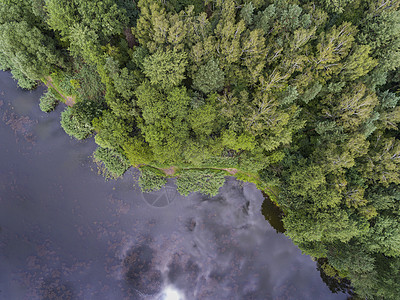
{"x":273,"y":214}
{"x":65,"y":233}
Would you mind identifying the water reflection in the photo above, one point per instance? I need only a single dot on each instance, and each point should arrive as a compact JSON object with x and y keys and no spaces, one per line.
{"x":171,"y":293}
{"x":54,"y":288}
{"x":163,"y":197}
{"x":335,"y":283}
{"x":68,"y":234}
{"x":140,"y":272}
{"x":273,"y":214}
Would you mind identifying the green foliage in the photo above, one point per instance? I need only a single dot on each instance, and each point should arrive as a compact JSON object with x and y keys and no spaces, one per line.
{"x":207,"y":182}
{"x":359,"y":63}
{"x":328,"y":226}
{"x":62,"y":81}
{"x":26,"y":43}
{"x":151,"y":179}
{"x":89,"y":82}
{"x":23,"y":81}
{"x":112,"y":131}
{"x":244,"y":141}
{"x":165,"y":68}
{"x":85,"y":43}
{"x":74,"y":125}
{"x":306,"y":180}
{"x":77,"y":120}
{"x":220,"y":162}
{"x":312,"y":92}
{"x":138,"y":151}
{"x":179,"y":5}
{"x":48,"y":102}
{"x":247,"y":12}
{"x":386,"y":235}
{"x":61,"y":15}
{"x":4,"y":62}
{"x":106,"y":17}
{"x":337,"y":6}
{"x":246,"y":177}
{"x":380,"y":30}
{"x":209,"y":78}
{"x":164,"y":126}
{"x":29,"y":49}
{"x":296,"y":95}
{"x":38,"y":8}
{"x":202,"y":119}
{"x":115,"y":163}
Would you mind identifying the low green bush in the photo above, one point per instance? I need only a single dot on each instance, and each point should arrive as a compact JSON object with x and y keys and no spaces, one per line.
{"x":207,"y":182}
{"x":114,"y":162}
{"x":48,"y":102}
{"x":151,"y":179}
{"x":63,"y":82}
{"x":77,"y":120}
{"x":88,"y":82}
{"x":74,"y":126}
{"x":220,"y":162}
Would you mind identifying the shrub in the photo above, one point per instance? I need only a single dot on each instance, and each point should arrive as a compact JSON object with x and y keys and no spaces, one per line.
{"x":77,"y":120}
{"x":62,"y":81}
{"x":48,"y":102}
{"x":114,"y":162}
{"x":220,"y":162}
{"x":75,"y":126}
{"x":151,"y":179}
{"x":207,"y":182}
{"x":88,"y":82}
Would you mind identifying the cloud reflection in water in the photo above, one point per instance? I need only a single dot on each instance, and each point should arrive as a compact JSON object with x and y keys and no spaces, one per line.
{"x":68,"y":234}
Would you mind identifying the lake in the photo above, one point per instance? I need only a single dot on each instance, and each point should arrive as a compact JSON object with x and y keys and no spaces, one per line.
{"x":66,"y":233}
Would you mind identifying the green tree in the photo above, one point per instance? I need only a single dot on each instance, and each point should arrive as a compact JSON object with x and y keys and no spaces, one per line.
{"x":152,"y":25}
{"x":77,"y":120}
{"x":23,"y":81}
{"x":354,"y":107}
{"x":359,"y":63}
{"x":209,"y":78}
{"x":386,"y":235}
{"x":203,"y":118}
{"x":247,"y":13}
{"x":62,"y":15}
{"x":29,"y":50}
{"x":48,"y":102}
{"x":75,"y":125}
{"x":165,"y":68}
{"x":138,"y":151}
{"x":112,"y":132}
{"x":381,"y":164}
{"x":164,"y":124}
{"x":85,"y":43}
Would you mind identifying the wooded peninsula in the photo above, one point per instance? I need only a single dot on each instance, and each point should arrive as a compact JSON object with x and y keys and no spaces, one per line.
{"x":299,"y":97}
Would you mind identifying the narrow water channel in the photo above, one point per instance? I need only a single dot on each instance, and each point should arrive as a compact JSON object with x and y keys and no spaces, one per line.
{"x":65,"y":233}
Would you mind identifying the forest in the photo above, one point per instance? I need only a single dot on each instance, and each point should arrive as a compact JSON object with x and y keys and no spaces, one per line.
{"x":300,"y":97}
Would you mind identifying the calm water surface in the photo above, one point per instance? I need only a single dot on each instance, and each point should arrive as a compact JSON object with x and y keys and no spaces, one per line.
{"x":65,"y":233}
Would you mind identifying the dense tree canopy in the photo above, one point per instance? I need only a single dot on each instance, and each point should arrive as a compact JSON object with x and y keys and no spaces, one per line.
{"x":297,"y":96}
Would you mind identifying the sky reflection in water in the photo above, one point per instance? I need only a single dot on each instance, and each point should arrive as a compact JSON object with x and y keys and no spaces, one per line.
{"x":67,"y":234}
